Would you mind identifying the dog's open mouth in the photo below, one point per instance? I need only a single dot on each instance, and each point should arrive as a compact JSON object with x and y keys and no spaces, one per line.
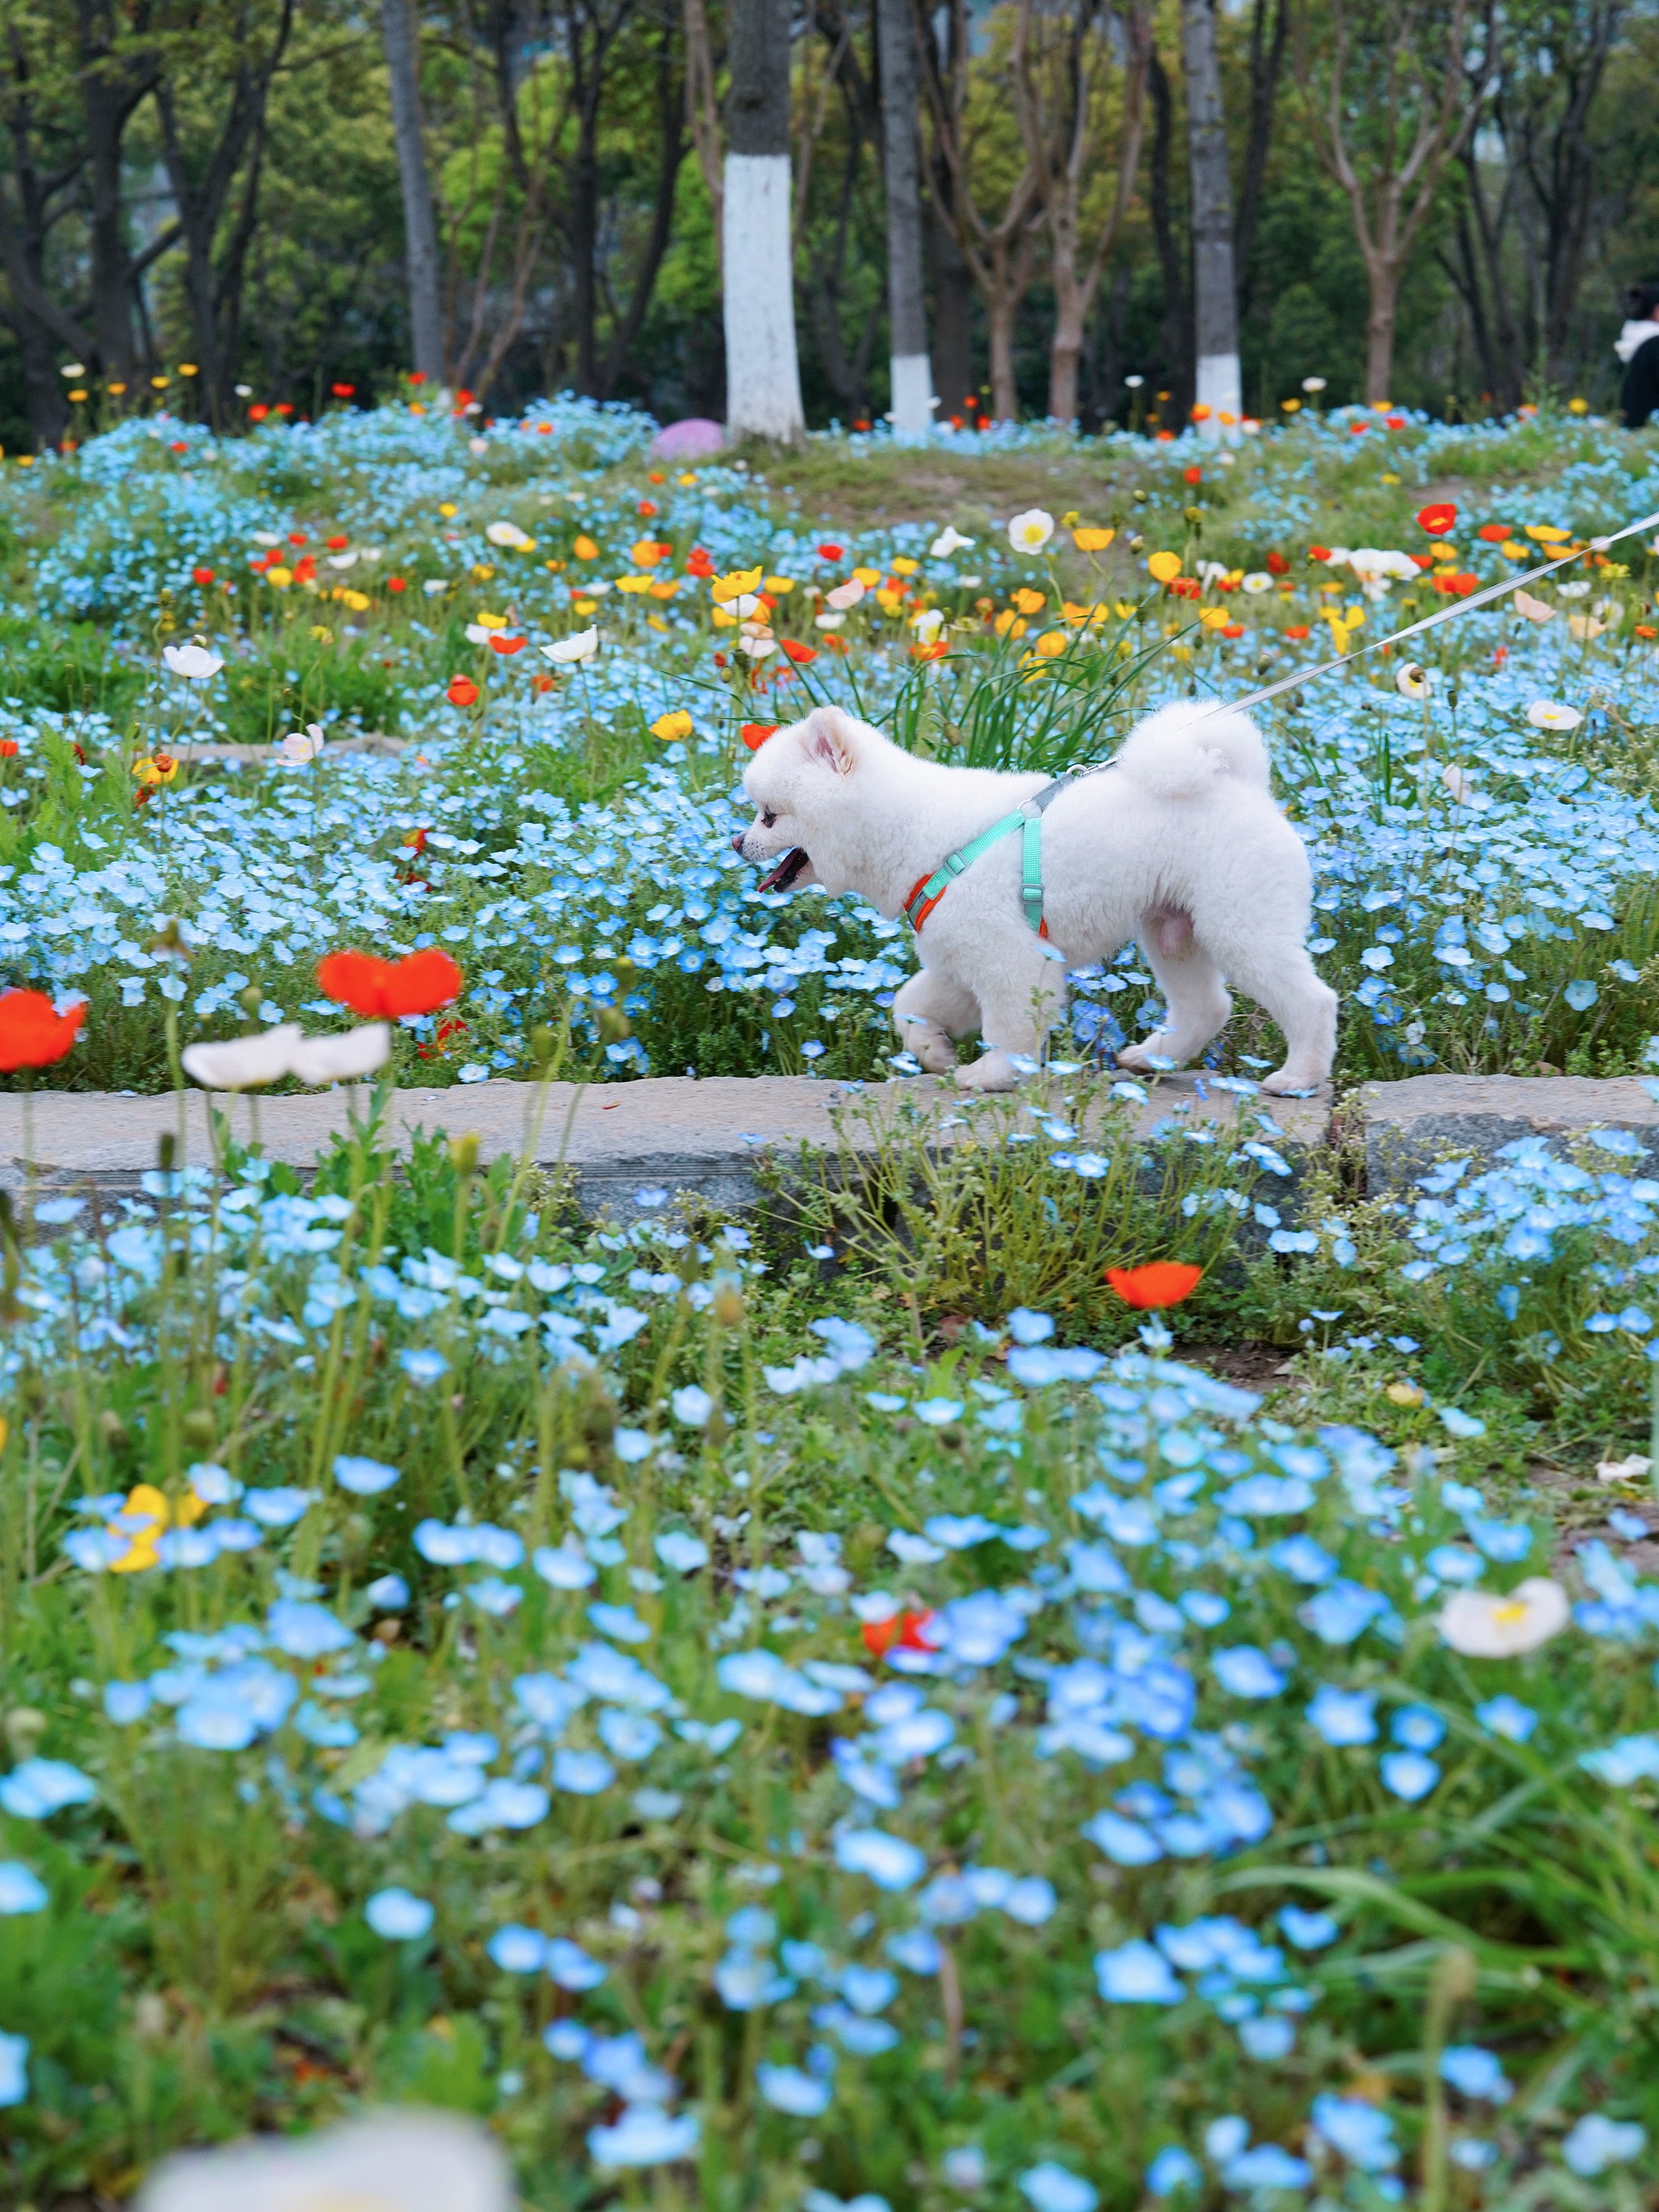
{"x":787,"y":869}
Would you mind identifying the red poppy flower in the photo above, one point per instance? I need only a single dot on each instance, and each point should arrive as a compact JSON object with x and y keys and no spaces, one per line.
{"x":755,"y":734}
{"x":396,"y":584}
{"x":382,"y":990}
{"x":297,"y":538}
{"x":1159,"y":1283}
{"x":1438,"y":518}
{"x":1299,"y":631}
{"x":505,"y":645}
{"x":201,"y":576}
{"x":647,"y":507}
{"x":1396,"y":422}
{"x":1493,"y":533}
{"x":258,"y":412}
{"x":1358,"y":429}
{"x":32,"y":1034}
{"x":699,"y":564}
{"x":8,"y":748}
{"x":1424,"y":560}
{"x":860,"y":424}
{"x":1193,"y":476}
{"x":1319,"y":552}
{"x":1277,"y":565}
{"x":284,"y":406}
{"x":462,"y":691}
{"x":337,"y":545}
{"x":909,"y":1630}
{"x":343,"y":390}
{"x":801,"y":654}
{"x":1233,"y":630}
{"x":177,"y":446}
{"x":832,"y":553}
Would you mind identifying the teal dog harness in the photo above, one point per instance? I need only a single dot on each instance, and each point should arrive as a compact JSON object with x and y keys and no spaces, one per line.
{"x":1027,"y":819}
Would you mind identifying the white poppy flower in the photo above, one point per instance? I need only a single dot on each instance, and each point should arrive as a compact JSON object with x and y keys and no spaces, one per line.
{"x":477,"y":634}
{"x":950,"y":540}
{"x":266,"y":537}
{"x":1376,"y":563}
{"x":194,"y":662}
{"x":1412,"y":682}
{"x":828,"y":621}
{"x":72,"y":369}
{"x":757,"y":647}
{"x":582,"y":646}
{"x":507,"y":533}
{"x":344,"y":1059}
{"x":1314,"y":383}
{"x":1453,"y":780}
{"x":1552,"y":714}
{"x":745,"y":603}
{"x":1538,"y":611}
{"x":1030,"y":531}
{"x":1633,"y":1469}
{"x":1258,"y":580}
{"x":846,"y":595}
{"x":1585,"y":628}
{"x":1483,"y":1625}
{"x":299,"y":746}
{"x":1337,"y":557}
{"x":342,"y":560}
{"x":1578,"y":590}
{"x":433,"y":585}
{"x":927,"y":624}
{"x":243,"y":1063}
{"x":395,"y":2161}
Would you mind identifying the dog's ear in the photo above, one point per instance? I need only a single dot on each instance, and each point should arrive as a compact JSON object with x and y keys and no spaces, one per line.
{"x":830,"y":737}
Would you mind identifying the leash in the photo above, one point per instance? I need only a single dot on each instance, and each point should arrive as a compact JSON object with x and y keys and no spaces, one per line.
{"x":1027,"y":819}
{"x":1481,"y":599}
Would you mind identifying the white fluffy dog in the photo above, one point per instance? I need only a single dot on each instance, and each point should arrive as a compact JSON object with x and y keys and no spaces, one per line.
{"x":1179,"y":844}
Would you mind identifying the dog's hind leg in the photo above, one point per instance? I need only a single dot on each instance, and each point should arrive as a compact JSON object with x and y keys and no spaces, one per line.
{"x":928,"y":1011}
{"x":1196,"y":1004}
{"x":1282,"y":978}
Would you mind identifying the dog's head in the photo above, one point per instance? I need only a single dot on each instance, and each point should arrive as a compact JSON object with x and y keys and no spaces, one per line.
{"x":799,"y":782}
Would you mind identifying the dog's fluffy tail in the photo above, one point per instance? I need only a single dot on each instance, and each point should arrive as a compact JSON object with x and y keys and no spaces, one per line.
{"x":1179,"y":751}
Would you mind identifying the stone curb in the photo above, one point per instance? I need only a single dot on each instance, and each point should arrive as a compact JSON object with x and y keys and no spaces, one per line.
{"x":719,"y":1137}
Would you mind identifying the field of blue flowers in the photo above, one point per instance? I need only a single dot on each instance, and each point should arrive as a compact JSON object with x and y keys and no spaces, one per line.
{"x":839,"y":1710}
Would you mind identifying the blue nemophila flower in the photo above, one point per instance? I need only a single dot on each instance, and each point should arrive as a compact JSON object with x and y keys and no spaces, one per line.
{"x":1309,"y":1931}
{"x":21,"y":1890}
{"x":398,"y":1914}
{"x":37,"y":1787}
{"x":1409,"y":1774}
{"x":643,"y":2134}
{"x":1343,"y":1717}
{"x":14,"y":2068}
{"x":518,"y":1950}
{"x":1361,"y":2133}
{"x":1245,"y":1672}
{"x":1418,"y":1728}
{"x":790,"y":2090}
{"x":1507,"y":1717}
{"x":364,"y":1477}
{"x":306,"y":1631}
{"x":1474,"y":2072}
{"x":581,"y":1773}
{"x":1049,"y":2187}
{"x":891,"y":1862}
{"x":1171,"y":2170}
{"x":1595,"y":2142}
{"x":1136,"y":1974}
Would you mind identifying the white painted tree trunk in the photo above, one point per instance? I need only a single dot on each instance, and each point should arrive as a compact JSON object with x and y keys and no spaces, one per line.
{"x":1214,"y":290}
{"x":1220,"y":389}
{"x":762,"y":373}
{"x":913,"y":395}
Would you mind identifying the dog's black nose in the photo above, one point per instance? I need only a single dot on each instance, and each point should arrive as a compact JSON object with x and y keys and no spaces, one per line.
{"x":737,"y":842}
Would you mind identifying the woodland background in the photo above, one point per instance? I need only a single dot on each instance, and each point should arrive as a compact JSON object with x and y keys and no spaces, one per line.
{"x":214,"y":184}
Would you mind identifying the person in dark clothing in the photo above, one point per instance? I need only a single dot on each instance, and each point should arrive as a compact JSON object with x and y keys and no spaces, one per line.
{"x":1638,"y":346}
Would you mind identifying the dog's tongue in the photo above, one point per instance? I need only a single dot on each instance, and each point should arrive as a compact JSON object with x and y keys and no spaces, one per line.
{"x":787,"y":870}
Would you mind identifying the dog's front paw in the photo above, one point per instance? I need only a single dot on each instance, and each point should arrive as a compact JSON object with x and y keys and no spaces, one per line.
{"x":1136,"y":1058}
{"x":932,"y":1048}
{"x":994,"y":1072}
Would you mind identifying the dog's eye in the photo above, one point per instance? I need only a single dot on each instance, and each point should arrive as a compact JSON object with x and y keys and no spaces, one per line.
{"x":766,"y":817}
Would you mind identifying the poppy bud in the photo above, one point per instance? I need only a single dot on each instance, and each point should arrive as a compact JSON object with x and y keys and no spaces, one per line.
{"x":727,"y":1306}
{"x":464,"y":1153}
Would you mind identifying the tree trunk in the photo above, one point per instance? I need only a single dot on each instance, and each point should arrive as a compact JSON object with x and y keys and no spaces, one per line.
{"x":763,"y":370}
{"x":1064,"y":351}
{"x":425,"y":321}
{"x":953,"y":320}
{"x":1383,"y":277}
{"x":907,"y":308}
{"x":1214,"y":289}
{"x":701,"y":113}
{"x":1175,"y":328}
{"x":1268,"y":50}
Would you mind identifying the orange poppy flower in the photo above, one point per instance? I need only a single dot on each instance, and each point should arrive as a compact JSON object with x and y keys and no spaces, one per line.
{"x":909,"y":1630}
{"x":505,"y":645}
{"x":1159,"y":1283}
{"x":462,"y":692}
{"x":755,"y":734}
{"x":32,"y":1033}
{"x":384,"y":990}
{"x":801,"y":653}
